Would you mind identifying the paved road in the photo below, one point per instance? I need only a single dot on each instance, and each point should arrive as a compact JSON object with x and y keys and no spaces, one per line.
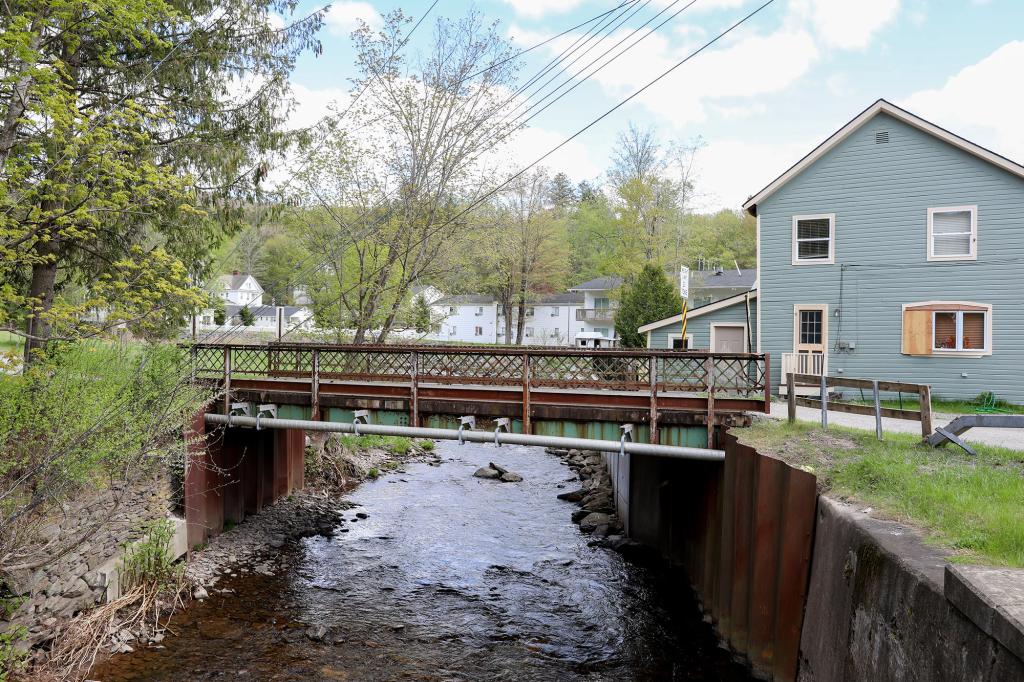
{"x":1007,"y":438}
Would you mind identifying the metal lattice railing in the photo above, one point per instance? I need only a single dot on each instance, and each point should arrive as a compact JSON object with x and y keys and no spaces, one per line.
{"x":617,"y":370}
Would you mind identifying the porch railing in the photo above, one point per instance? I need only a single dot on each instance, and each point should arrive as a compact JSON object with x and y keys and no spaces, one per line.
{"x":804,"y":363}
{"x":595,"y":314}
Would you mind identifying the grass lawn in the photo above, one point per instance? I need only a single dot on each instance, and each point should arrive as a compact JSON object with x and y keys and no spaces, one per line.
{"x":939,"y":405}
{"x":9,"y":342}
{"x":974,"y":507}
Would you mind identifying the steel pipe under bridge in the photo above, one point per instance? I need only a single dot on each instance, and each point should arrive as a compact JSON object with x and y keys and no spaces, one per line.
{"x":498,"y":437}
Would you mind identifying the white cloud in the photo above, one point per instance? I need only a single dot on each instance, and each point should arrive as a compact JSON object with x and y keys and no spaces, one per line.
{"x":981,"y":102}
{"x":313,"y":104}
{"x":846,"y":24}
{"x":574,"y":159}
{"x":343,"y":17}
{"x":751,"y":66}
{"x":534,"y":9}
{"x":730,"y":171}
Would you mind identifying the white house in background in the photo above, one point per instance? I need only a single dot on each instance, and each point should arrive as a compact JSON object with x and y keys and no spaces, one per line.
{"x":470,"y":318}
{"x":243,"y":291}
{"x":266,"y":318}
{"x":595,"y":320}
{"x":239,"y":289}
{"x":478,"y":318}
{"x":550,"y":320}
{"x":427,"y":292}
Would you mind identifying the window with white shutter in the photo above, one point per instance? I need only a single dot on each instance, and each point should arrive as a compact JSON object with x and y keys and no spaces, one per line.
{"x":953,"y":233}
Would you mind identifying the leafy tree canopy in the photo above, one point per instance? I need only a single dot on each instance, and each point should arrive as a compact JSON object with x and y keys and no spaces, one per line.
{"x":131,"y":134}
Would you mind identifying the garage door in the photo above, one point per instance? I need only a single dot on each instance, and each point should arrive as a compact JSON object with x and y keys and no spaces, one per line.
{"x":729,"y":339}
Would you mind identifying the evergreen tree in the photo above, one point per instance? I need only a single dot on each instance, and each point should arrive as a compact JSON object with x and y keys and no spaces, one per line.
{"x":421,"y":315}
{"x":649,"y":298}
{"x":562,"y":194}
{"x":247,"y":316}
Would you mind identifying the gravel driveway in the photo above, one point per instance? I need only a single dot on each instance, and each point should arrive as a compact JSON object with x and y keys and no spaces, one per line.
{"x":1007,"y":438}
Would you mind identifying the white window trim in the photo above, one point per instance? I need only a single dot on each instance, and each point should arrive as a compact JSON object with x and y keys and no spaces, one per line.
{"x":672,"y":337}
{"x":965,"y":352}
{"x":831,"y":241}
{"x":974,"y":232}
{"x":741,"y":325}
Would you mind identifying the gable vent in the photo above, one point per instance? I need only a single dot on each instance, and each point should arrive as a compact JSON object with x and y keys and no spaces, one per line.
{"x":882,"y":137}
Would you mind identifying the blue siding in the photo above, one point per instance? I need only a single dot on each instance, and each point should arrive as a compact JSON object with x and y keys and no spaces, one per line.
{"x":880,"y":194}
{"x":700,"y":326}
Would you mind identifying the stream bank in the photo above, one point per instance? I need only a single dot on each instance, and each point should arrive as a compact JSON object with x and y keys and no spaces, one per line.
{"x":434,"y":574}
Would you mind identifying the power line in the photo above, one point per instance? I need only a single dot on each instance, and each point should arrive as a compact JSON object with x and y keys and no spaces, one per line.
{"x":595,"y":121}
{"x":608,"y":34}
{"x":602,"y":66}
{"x":547,"y":40}
{"x":238,"y":326}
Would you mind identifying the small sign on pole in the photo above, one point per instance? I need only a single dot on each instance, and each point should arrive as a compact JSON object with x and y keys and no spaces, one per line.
{"x":684,"y":293}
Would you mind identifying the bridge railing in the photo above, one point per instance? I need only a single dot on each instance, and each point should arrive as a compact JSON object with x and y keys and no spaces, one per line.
{"x":659,"y":371}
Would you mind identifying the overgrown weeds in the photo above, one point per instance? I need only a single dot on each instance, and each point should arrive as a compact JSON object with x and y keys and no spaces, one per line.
{"x":152,"y":588}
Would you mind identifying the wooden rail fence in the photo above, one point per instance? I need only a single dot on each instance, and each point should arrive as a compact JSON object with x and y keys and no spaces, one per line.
{"x":822,"y":402}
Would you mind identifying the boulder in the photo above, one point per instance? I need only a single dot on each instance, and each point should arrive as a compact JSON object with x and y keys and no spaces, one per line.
{"x":487,"y":472}
{"x":572,"y":495}
{"x":317,"y":633}
{"x":200,"y":592}
{"x":591,"y":521}
{"x":509,"y":477}
{"x":580,"y":514}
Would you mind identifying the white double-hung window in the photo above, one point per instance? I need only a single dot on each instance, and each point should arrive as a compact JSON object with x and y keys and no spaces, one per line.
{"x":814,"y":239}
{"x":953,"y":233}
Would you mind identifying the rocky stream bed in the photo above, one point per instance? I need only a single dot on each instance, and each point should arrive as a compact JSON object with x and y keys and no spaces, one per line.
{"x":432,"y":573}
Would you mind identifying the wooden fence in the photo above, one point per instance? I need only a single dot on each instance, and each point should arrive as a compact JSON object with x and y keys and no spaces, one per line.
{"x":923,"y":391}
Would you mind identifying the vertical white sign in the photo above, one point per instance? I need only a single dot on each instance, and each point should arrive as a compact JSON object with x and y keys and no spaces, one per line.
{"x":684,"y":282}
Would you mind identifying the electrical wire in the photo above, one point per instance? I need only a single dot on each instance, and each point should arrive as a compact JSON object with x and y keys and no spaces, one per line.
{"x":598,"y":119}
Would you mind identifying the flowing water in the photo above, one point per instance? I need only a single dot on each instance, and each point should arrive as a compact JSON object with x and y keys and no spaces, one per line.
{"x":449,"y":577}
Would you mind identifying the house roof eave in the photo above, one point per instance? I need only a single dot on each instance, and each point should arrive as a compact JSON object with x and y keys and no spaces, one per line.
{"x":878,"y":107}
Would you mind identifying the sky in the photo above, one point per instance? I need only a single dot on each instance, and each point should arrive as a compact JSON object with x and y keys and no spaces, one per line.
{"x":760,"y":98}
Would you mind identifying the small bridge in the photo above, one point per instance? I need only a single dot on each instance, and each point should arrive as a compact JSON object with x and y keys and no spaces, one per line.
{"x":542,"y":390}
{"x":670,"y":397}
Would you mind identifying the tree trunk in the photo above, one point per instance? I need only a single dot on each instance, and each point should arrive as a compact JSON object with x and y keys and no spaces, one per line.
{"x":41,"y":291}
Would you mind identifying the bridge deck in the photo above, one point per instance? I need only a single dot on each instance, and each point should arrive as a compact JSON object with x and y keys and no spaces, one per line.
{"x":668,"y":387}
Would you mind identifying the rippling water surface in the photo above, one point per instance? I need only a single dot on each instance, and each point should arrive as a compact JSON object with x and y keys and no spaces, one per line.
{"x":449,"y":578}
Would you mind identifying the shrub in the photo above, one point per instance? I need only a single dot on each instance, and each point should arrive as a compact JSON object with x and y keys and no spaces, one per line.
{"x":150,"y":561}
{"x":86,"y":415}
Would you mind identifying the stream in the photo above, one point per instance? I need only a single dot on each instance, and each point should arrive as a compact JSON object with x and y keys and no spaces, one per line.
{"x":449,"y":577}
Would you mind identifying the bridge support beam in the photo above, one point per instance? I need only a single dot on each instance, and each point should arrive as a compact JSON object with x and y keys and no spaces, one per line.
{"x":232,"y":472}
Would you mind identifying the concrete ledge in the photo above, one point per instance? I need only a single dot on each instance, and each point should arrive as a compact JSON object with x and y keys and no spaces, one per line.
{"x":993,"y":598}
{"x":877,"y":609}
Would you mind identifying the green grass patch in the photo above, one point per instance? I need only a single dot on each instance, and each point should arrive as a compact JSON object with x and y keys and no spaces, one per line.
{"x":973,"y":506}
{"x":427,"y":445}
{"x":10,"y":343}
{"x":940,"y":405}
{"x":398,"y":445}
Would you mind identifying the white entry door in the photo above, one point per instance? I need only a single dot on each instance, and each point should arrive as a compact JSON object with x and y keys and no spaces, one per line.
{"x":728,"y":338}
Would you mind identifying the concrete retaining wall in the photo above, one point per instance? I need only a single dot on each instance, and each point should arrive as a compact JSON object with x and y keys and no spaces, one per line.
{"x":876,"y":609}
